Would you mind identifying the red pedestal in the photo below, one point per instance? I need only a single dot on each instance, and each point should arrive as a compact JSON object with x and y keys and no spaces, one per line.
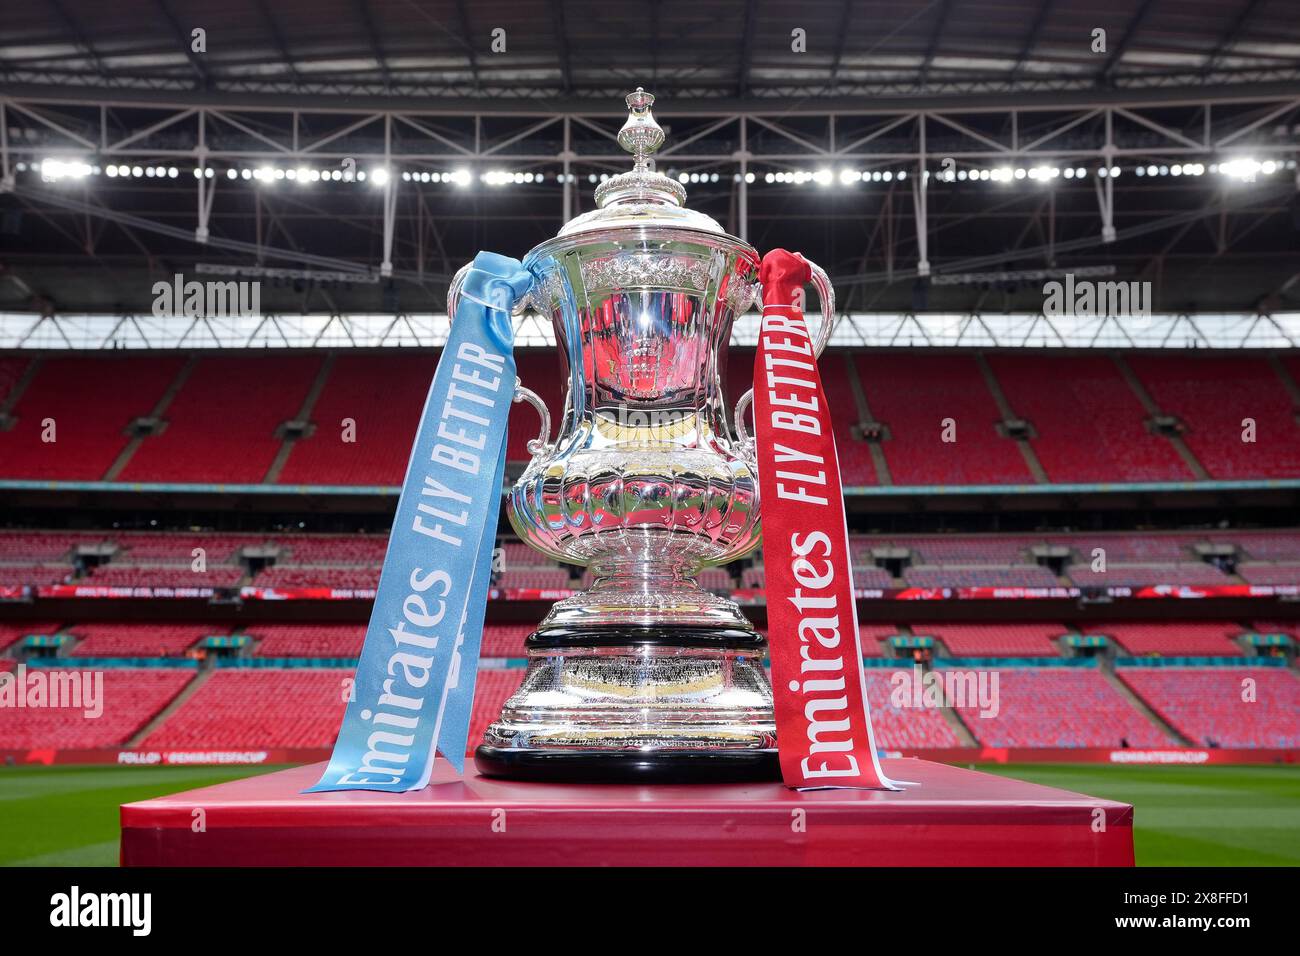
{"x":953,"y":817}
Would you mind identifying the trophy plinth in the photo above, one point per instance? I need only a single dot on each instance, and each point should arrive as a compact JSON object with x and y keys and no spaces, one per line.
{"x":644,"y":675}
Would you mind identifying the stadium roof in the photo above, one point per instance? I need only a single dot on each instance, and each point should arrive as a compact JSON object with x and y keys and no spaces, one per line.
{"x":1195,"y":103}
{"x":686,"y":49}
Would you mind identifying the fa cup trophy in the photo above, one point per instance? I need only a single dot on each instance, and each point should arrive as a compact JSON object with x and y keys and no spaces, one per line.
{"x":645,"y":675}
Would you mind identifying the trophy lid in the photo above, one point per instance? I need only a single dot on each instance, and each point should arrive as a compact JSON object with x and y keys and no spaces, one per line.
{"x":642,"y":196}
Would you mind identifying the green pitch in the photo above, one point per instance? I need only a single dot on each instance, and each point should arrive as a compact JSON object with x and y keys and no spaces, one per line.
{"x":1229,"y":816}
{"x":68,"y":816}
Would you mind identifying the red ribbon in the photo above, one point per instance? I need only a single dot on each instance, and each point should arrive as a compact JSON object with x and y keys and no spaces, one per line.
{"x":823,"y":721}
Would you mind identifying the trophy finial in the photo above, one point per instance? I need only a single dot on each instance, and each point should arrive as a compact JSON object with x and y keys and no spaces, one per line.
{"x":641,"y":135}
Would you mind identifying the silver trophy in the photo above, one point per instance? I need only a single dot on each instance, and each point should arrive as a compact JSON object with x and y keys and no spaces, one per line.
{"x":645,"y":675}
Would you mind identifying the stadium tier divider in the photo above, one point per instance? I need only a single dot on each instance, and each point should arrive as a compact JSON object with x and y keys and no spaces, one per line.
{"x":113,"y":663}
{"x":1018,"y":663}
{"x":1201,"y":662}
{"x":285,"y":663}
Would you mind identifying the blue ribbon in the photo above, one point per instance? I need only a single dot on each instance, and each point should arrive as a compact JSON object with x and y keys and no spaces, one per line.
{"x":414,"y":686}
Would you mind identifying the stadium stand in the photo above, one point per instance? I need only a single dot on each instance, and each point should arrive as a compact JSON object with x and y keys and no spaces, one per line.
{"x":307,"y":640}
{"x":222,"y":423}
{"x":545,"y":578}
{"x":333,"y":550}
{"x":504,"y":640}
{"x":1124,"y":548}
{"x":172,"y":576}
{"x":1120,"y":575}
{"x":383,"y":395}
{"x":137,"y":639}
{"x":983,"y":576}
{"x":130,"y":699}
{"x":951,"y":560}
{"x":91,"y":401}
{"x":1265,"y":545}
{"x":951,"y":549}
{"x":715,"y":579}
{"x":1062,"y":396}
{"x":1213,"y":706}
{"x":517,"y":553}
{"x":897,"y":727}
{"x":1213,"y":394}
{"x":995,"y":640}
{"x":11,"y":632}
{"x":1060,"y":707}
{"x":41,"y":546}
{"x":323,"y":577}
{"x":1284,"y":574}
{"x":915,"y":397}
{"x":873,"y":637}
{"x":1173,"y":638}
{"x":257,"y":708}
{"x":155,"y":548}
{"x":872,"y":577}
{"x":863,"y":577}
{"x":1088,"y":423}
{"x":856,"y":466}
{"x":18,"y":575}
{"x":492,"y":689}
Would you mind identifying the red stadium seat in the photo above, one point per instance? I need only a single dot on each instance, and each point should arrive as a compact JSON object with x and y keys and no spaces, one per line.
{"x":984,"y":576}
{"x":1089,"y":424}
{"x":1173,"y":638}
{"x":1137,"y":575}
{"x":307,"y":640}
{"x":1061,"y":707}
{"x":492,"y":689}
{"x":138,"y":639}
{"x":131,"y":698}
{"x":1213,"y":395}
{"x":115,"y":575}
{"x":383,"y":396}
{"x":340,"y":578}
{"x":995,"y":640}
{"x":11,"y":632}
{"x":504,"y":640}
{"x":222,"y":423}
{"x":915,"y":396}
{"x":903,"y":728}
{"x":91,"y":401}
{"x":1224,"y":706}
{"x":257,"y":708}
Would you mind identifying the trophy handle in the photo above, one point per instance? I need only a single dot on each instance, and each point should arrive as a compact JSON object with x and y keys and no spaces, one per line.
{"x":539,"y":445}
{"x":826,"y":293}
{"x":536,"y":446}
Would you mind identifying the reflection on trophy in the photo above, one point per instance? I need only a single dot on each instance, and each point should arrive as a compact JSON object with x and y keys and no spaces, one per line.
{"x":645,"y":675}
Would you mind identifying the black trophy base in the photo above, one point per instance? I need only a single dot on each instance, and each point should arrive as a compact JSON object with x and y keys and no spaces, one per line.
{"x":628,"y":766}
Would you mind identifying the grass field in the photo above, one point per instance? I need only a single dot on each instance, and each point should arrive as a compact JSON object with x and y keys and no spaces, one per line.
{"x":1196,"y":816}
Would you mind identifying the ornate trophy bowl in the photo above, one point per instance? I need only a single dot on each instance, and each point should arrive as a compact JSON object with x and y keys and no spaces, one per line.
{"x":645,"y":675}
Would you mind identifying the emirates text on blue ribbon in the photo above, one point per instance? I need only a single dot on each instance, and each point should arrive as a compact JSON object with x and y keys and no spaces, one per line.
{"x":414,"y":686}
